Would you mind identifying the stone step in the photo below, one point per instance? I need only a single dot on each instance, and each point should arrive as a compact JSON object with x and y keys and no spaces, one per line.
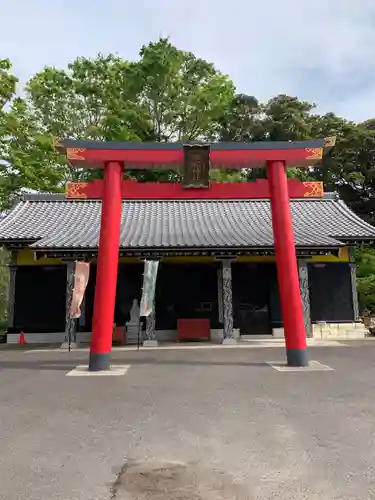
{"x":132,"y":333}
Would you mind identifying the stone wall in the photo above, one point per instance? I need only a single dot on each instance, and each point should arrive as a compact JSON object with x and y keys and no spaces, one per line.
{"x":333,"y":331}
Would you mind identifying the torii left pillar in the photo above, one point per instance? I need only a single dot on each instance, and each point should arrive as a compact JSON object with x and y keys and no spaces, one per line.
{"x":286,"y":262}
{"x":107,"y":268}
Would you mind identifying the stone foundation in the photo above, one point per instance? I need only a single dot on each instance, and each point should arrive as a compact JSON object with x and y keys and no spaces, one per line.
{"x":278,"y":333}
{"x":217,"y":335}
{"x":332,"y":331}
{"x":337,"y":331}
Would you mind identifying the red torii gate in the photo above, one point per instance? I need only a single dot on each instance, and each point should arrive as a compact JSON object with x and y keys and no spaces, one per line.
{"x":195,"y":158}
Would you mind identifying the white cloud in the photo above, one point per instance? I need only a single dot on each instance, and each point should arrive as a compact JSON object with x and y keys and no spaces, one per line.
{"x":320,"y":50}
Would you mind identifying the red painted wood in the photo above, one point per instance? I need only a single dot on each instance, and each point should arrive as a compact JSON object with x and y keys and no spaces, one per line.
{"x":154,"y":158}
{"x":258,"y":157}
{"x":108,"y":252}
{"x":286,"y":259}
{"x":144,"y":158}
{"x":193,"y":329}
{"x":132,"y":190}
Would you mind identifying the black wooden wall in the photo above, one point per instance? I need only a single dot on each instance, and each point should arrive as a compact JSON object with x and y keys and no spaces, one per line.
{"x":330,"y":292}
{"x":39,"y":299}
{"x":184,"y":290}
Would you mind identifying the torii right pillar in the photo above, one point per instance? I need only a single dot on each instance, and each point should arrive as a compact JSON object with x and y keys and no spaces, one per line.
{"x":287,"y":268}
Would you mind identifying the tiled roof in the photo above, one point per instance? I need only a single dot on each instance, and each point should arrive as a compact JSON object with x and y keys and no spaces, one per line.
{"x":50,"y":222}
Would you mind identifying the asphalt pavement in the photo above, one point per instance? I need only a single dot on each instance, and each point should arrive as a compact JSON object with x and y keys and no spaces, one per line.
{"x":188,"y":424}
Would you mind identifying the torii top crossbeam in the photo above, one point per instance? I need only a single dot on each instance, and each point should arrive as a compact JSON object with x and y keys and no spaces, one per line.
{"x":234,"y":155}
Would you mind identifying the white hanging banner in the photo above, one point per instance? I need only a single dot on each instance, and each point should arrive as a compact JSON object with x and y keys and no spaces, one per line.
{"x":149,"y":286}
{"x":81,"y":278}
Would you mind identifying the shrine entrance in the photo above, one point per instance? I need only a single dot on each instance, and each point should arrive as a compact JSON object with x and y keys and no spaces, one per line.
{"x":186,"y":291}
{"x":251,"y":298}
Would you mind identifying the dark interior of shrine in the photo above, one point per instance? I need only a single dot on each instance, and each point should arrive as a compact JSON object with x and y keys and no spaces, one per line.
{"x":183,"y":290}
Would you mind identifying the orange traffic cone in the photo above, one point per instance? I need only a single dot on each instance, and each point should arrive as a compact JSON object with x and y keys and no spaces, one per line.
{"x":22,"y":340}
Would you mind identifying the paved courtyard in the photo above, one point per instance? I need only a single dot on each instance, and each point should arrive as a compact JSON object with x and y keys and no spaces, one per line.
{"x":201,"y":424}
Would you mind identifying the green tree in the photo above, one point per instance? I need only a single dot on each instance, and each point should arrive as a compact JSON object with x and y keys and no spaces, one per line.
{"x":351,"y":169}
{"x":365,"y":259}
{"x":168,"y":94}
{"x":281,"y":118}
{"x":287,"y":119}
{"x":27,"y":158}
{"x":185,"y":96}
{"x":227,"y":175}
{"x":93,"y":99}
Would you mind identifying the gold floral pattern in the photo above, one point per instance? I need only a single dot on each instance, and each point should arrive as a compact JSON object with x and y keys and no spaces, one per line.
{"x":313,"y":189}
{"x":56,"y":142}
{"x":314,"y":153}
{"x":72,"y":153}
{"x":76,"y":190}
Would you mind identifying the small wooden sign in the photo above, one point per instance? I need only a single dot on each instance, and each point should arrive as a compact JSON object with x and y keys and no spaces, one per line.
{"x":196,"y":166}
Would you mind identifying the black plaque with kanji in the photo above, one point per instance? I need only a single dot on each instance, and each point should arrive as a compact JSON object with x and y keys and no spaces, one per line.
{"x":196,"y":166}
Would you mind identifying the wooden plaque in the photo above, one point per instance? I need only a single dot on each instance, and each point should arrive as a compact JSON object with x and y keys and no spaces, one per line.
{"x":196,"y":166}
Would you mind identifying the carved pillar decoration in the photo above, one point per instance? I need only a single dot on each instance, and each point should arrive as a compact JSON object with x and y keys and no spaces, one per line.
{"x":220,"y":295}
{"x":227,"y":299}
{"x":353,"y":279}
{"x":150,"y":326}
{"x":303,"y":272}
{"x":69,"y":322}
{"x":11,"y":295}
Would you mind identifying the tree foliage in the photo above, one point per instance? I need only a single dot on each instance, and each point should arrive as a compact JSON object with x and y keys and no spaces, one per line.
{"x":27,"y":158}
{"x":185,"y":96}
{"x":365,"y":259}
{"x":168,"y":95}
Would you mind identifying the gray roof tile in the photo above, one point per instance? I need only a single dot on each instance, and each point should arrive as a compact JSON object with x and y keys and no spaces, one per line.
{"x":53,"y":222}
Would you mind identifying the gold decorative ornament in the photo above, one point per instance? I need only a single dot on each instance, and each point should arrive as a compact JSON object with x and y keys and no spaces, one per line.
{"x":314,"y":153}
{"x":56,"y":142}
{"x":314,"y":189}
{"x":72,"y":153}
{"x":76,"y":190}
{"x":330,"y":142}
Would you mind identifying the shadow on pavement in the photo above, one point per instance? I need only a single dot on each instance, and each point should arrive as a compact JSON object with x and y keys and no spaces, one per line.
{"x":64,"y":365}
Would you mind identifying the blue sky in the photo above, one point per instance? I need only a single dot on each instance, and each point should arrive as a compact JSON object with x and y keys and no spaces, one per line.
{"x":319,"y":50}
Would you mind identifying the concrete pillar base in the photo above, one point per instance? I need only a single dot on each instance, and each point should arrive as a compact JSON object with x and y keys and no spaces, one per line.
{"x":73,"y":345}
{"x":278,"y":333}
{"x":229,"y":341}
{"x":99,"y":361}
{"x":297,"y":357}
